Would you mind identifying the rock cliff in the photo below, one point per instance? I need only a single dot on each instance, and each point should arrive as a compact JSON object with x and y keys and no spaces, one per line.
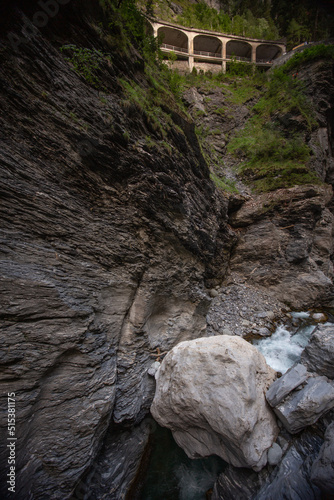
{"x":106,"y":250}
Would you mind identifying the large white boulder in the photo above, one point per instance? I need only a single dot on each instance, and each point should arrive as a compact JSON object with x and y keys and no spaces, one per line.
{"x":210,"y":393}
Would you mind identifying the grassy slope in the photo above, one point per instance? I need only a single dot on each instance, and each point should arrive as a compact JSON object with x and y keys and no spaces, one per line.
{"x":273,"y":143}
{"x":270,"y":151}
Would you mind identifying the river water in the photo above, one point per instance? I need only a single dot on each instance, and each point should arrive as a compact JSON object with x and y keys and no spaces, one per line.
{"x":171,"y":475}
{"x":286,"y":344}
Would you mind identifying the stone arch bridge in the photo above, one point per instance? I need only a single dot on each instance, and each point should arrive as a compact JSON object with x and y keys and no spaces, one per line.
{"x":211,"y":51}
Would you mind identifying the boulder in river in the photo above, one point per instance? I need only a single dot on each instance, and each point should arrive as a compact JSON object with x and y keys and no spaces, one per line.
{"x":303,"y":407}
{"x":291,"y":379}
{"x":318,"y":355}
{"x":210,"y":393}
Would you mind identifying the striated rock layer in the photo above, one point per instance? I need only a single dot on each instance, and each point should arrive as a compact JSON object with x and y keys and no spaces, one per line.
{"x":210,"y":393}
{"x":286,"y":245}
{"x":106,"y":251}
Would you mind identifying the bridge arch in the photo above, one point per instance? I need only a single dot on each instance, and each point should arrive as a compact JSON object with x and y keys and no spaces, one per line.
{"x":173,"y":39}
{"x":239,"y":49}
{"x":266,"y":52}
{"x":208,"y":46}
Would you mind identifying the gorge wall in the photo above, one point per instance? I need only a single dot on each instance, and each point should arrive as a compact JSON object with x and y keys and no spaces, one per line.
{"x":106,"y":252}
{"x":111,"y":248}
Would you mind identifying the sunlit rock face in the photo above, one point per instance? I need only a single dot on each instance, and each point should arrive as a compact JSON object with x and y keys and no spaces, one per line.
{"x":210,"y":393}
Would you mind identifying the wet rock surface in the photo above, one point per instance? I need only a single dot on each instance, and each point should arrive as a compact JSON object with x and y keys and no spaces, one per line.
{"x":238,"y":483}
{"x":200,"y":384}
{"x":293,"y":378}
{"x":305,"y":405}
{"x":116,"y":464}
{"x":322,"y":472}
{"x":290,"y":479}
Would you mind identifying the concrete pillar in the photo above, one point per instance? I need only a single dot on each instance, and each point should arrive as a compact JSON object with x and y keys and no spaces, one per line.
{"x":224,"y":56}
{"x":191,"y":44}
{"x":254,"y":54}
{"x":155,"y":29}
{"x":191,"y":51}
{"x":224,"y":50}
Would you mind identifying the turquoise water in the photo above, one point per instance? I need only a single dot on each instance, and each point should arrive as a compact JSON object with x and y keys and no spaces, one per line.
{"x":170,"y":475}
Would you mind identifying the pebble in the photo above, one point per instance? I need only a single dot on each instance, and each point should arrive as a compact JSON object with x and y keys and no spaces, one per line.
{"x":237,"y":310}
{"x":227,"y":331}
{"x":154,"y":368}
{"x":319,"y":317}
{"x":275,"y":453}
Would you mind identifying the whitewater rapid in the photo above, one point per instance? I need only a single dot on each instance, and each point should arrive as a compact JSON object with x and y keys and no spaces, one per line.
{"x":285,"y":346}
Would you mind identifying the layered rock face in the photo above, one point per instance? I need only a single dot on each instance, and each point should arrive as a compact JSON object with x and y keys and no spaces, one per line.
{"x":302,"y":407}
{"x":286,"y":244}
{"x":210,"y":393}
{"x":318,"y":355}
{"x":106,"y":249}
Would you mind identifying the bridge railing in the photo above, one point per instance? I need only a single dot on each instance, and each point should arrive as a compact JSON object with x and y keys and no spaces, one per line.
{"x":172,"y":47}
{"x":213,"y":54}
{"x":209,"y":54}
{"x":239,"y":58}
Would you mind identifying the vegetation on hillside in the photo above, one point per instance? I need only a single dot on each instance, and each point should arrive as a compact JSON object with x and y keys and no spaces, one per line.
{"x":297,"y":21}
{"x":309,"y":54}
{"x":272,"y":146}
{"x":270,"y":151}
{"x":269,"y":154}
{"x":200,"y":15}
{"x":303,"y":20}
{"x":147,"y":88}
